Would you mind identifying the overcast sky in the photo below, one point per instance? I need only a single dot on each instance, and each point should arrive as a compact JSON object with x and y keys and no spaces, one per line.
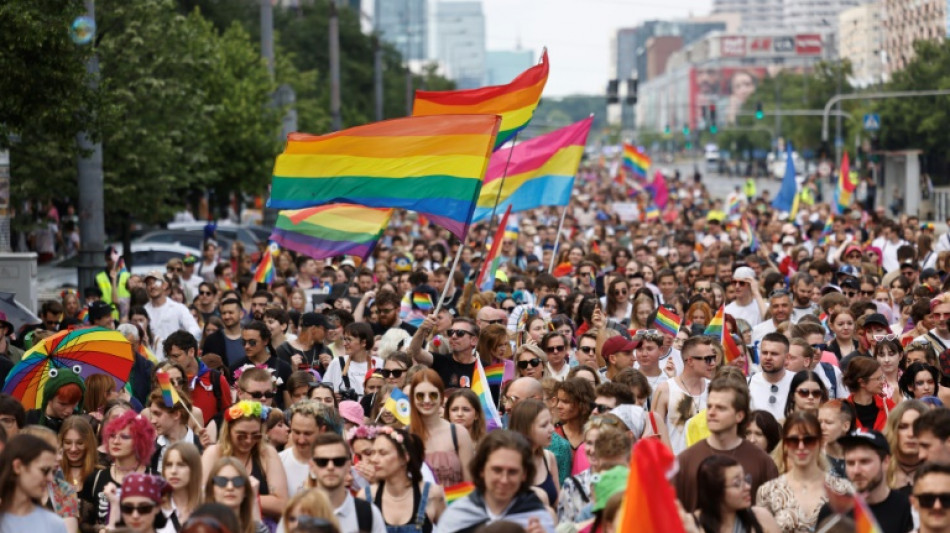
{"x":577,"y":33}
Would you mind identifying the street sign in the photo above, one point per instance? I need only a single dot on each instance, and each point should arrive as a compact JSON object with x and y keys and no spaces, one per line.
{"x":872,"y":122}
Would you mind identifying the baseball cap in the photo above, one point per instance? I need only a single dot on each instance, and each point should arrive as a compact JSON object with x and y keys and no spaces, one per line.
{"x":849,"y":270}
{"x":852,"y":248}
{"x":928,"y":273}
{"x":876,"y":318}
{"x":99,"y":310}
{"x":314,"y":319}
{"x":618,"y":344}
{"x":189,"y":259}
{"x":154,"y":274}
{"x":864,"y":437}
{"x":744,"y":273}
{"x":850,"y":283}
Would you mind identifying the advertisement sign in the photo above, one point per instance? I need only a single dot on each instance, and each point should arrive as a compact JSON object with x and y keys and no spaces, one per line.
{"x":783,"y":45}
{"x":808,"y":44}
{"x":760,"y":45}
{"x":732,"y":46}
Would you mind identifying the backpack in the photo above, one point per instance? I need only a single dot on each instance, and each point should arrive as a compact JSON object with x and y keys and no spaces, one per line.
{"x":364,"y":515}
{"x":830,"y":374}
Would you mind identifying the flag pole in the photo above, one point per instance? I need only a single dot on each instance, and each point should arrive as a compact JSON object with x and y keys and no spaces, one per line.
{"x":557,"y":239}
{"x":445,"y":290}
{"x":491,"y":219}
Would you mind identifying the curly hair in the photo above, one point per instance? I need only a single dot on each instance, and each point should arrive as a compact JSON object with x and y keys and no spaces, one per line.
{"x":141,"y":430}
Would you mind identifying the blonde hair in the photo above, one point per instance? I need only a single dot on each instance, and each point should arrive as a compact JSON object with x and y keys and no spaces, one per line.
{"x":313,"y":503}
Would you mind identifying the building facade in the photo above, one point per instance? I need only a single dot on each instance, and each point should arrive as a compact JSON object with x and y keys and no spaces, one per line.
{"x":459,"y":42}
{"x":405,"y":25}
{"x":908,"y":21}
{"x":861,"y":41}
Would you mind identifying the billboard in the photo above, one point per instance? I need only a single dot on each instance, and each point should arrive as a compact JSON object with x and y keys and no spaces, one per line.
{"x":803,"y":44}
{"x":728,"y":88}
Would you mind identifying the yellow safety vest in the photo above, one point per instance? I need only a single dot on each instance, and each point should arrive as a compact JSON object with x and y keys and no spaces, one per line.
{"x":105,"y":285}
{"x":750,"y":188}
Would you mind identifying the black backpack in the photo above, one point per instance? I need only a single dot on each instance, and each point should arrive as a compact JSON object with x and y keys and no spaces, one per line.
{"x":364,"y":515}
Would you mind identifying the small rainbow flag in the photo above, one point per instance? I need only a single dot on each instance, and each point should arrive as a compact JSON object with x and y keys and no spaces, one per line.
{"x":265,"y":269}
{"x":864,"y":521}
{"x":636,"y":161}
{"x":734,"y":207}
{"x":514,"y":103}
{"x":457,"y":491}
{"x":714,"y":328}
{"x":594,"y":247}
{"x":667,"y":321}
{"x":750,"y":235}
{"x":492,"y":262}
{"x":84,"y":315}
{"x":480,"y":387}
{"x":826,"y":230}
{"x":169,"y":393}
{"x":495,"y":374}
{"x":120,"y":266}
{"x":731,"y":350}
{"x":422,"y":301}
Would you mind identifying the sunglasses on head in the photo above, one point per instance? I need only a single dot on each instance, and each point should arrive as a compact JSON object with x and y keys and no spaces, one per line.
{"x":523,"y":365}
{"x":397,"y":373}
{"x":223,"y":481}
{"x":338,"y":462}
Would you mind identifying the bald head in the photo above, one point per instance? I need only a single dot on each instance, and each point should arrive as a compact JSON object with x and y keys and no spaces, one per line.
{"x":524,"y":388}
{"x":486,"y":315}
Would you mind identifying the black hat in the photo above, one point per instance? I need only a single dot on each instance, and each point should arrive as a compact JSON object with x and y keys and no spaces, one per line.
{"x":99,"y":310}
{"x":314,"y":319}
{"x":864,"y":437}
{"x":929,"y":273}
{"x":876,"y":318}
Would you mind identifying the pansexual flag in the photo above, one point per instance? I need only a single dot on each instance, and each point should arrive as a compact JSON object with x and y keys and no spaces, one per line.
{"x":331,"y":230}
{"x":636,"y":161}
{"x":514,"y":103}
{"x":540,"y":171}
{"x":432,"y":165}
{"x":714,"y":328}
{"x":667,"y":321}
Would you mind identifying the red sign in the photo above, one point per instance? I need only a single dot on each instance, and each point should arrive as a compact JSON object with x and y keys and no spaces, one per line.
{"x":808,"y":44}
{"x":760,"y":45}
{"x":732,"y":46}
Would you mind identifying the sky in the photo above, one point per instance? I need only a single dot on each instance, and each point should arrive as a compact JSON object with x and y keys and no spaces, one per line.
{"x":577,"y":33}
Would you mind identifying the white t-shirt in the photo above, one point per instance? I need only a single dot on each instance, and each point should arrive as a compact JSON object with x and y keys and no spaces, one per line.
{"x":38,"y":521}
{"x":762,"y":394}
{"x":749,"y":313}
{"x":762,"y":330}
{"x":356,"y":373}
{"x":297,"y":472}
{"x":171,"y":317}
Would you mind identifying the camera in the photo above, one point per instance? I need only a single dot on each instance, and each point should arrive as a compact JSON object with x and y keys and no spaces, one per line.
{"x":348,"y":394}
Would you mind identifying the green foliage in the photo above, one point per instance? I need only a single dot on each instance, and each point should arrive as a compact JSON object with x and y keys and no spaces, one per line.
{"x":556,"y":113}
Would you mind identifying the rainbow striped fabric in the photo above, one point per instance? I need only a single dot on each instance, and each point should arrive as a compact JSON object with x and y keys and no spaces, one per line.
{"x":457,"y":491}
{"x":667,"y":321}
{"x":652,"y":212}
{"x":330,"y":230}
{"x":636,"y":161}
{"x":731,"y":350}
{"x":495,"y":374}
{"x":169,"y":393}
{"x":750,"y":235}
{"x":423,"y":301}
{"x":433,"y":165}
{"x":514,"y":103}
{"x":649,"y":502}
{"x":540,"y":171}
{"x":714,"y":328}
{"x":864,"y":521}
{"x":480,"y":388}
{"x":845,"y":186}
{"x":265,"y":269}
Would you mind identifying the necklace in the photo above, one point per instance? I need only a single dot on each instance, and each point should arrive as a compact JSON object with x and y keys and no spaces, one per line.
{"x":686,"y":388}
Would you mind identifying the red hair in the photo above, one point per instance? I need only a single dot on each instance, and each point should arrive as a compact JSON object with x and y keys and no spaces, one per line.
{"x":69,"y":393}
{"x":142,"y":431}
{"x":416,"y":424}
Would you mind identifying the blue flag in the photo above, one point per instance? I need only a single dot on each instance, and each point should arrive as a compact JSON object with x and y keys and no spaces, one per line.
{"x":786,"y":195}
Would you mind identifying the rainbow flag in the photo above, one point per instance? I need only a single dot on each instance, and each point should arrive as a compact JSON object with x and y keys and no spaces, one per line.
{"x":845,"y":186}
{"x":714,"y":328}
{"x":667,"y":321}
{"x":649,"y":503}
{"x":594,"y":247}
{"x":495,"y":374}
{"x":457,"y":491}
{"x":169,"y":392}
{"x":636,"y":161}
{"x":731,"y":350}
{"x":422,"y":301}
{"x":480,"y":387}
{"x":734,"y":207}
{"x":265,"y":269}
{"x":432,"y":165}
{"x":827,"y":230}
{"x":491,"y":263}
{"x":514,"y":103}
{"x":331,"y":230}
{"x":120,"y":266}
{"x":864,"y":521}
{"x":83,"y":315}
{"x":540,"y":171}
{"x":750,"y":235}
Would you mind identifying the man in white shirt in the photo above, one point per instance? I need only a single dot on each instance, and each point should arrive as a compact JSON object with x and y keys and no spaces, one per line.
{"x":780,"y":304}
{"x":803,"y":286}
{"x":328,"y":467}
{"x":888,"y":243}
{"x":307,"y":420}
{"x":165,"y":315}
{"x":769,"y":388}
{"x":748,"y":304}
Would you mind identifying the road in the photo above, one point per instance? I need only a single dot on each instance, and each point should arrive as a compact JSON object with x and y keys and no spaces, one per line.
{"x":720,"y":185}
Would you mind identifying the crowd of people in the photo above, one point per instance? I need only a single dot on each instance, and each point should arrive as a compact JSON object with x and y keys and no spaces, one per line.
{"x":337,"y":398}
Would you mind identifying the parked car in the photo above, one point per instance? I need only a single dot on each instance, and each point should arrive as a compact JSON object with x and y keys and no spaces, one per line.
{"x":225,"y":231}
{"x":53,"y":277}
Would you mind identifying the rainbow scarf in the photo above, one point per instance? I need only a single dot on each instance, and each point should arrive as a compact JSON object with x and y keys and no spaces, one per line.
{"x":433,"y":165}
{"x":514,"y":103}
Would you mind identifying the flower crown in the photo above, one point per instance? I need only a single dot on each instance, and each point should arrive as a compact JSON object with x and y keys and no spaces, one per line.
{"x":275,"y":379}
{"x":247,"y":409}
{"x":370,"y":432}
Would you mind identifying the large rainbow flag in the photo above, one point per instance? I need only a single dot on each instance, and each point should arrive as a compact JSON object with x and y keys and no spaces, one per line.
{"x":331,"y":230}
{"x":432,"y":165}
{"x":636,"y":161}
{"x":540,"y":172}
{"x":514,"y":102}
{"x":649,"y":503}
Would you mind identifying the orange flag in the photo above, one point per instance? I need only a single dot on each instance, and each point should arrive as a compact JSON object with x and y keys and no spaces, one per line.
{"x":650,"y":503}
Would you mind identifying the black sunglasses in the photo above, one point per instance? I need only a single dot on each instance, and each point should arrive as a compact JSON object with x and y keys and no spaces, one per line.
{"x":338,"y":462}
{"x":258,"y":395}
{"x":601,"y":408}
{"x":587,"y":349}
{"x":458,"y":333}
{"x":533,"y":362}
{"x":223,"y":481}
{"x":142,"y":508}
{"x":392,"y":373}
{"x":555,"y":349}
{"x":928,"y":500}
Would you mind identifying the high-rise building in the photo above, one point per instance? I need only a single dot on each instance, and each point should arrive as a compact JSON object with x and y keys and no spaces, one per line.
{"x":757,"y":15}
{"x":861,"y":41}
{"x":459,"y":42}
{"x":502,"y":66}
{"x":815,"y":15}
{"x":405,"y":25}
{"x":909,"y":21}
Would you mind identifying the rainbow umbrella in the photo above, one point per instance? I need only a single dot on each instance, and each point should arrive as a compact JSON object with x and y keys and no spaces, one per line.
{"x":86,"y":351}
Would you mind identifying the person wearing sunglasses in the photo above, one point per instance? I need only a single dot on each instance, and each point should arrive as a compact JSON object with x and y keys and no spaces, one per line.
{"x":448,"y":446}
{"x":688,"y":388}
{"x":531,"y":362}
{"x":748,"y":303}
{"x":137,"y":505}
{"x":256,"y":385}
{"x":795,"y":497}
{"x":229,"y":484}
{"x":806,"y":393}
{"x":256,"y":340}
{"x":556,"y":346}
{"x":241,"y":438}
{"x":866,"y":455}
{"x":456,"y":369}
{"x":329,"y":468}
{"x":930,"y":497}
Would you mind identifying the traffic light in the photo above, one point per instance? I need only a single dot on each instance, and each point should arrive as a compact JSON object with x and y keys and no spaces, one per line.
{"x":631,"y":91}
{"x":613,"y":93}
{"x":686,"y":130}
{"x":759,"y":114}
{"x":712,"y":119}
